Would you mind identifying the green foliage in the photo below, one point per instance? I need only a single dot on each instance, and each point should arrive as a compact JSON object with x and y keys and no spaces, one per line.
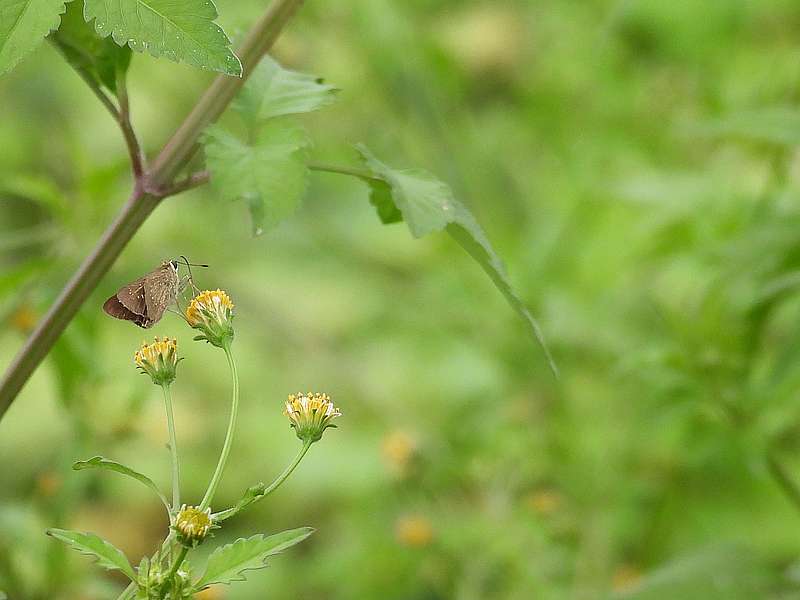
{"x":98,"y":462}
{"x":108,"y":556}
{"x":273,"y":91}
{"x":267,"y":171}
{"x":23,"y":25}
{"x":427,"y":205}
{"x":98,"y":58}
{"x":180,"y":30}
{"x":665,"y":265}
{"x":229,"y":562}
{"x":266,"y":167}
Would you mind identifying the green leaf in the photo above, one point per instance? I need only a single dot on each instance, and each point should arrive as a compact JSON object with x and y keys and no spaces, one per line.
{"x":23,"y":25}
{"x":96,"y":57}
{"x":130,"y":592}
{"x":108,"y":556}
{"x":269,"y":173}
{"x":228,"y":563}
{"x":273,"y":91}
{"x":98,"y":462}
{"x":180,"y":30}
{"x":427,"y":204}
{"x":381,"y":198}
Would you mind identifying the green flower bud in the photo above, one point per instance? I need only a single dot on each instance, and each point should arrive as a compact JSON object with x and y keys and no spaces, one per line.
{"x":193,"y":525}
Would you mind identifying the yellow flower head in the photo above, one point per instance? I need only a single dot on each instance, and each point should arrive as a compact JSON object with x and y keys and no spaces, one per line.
{"x":399,"y":450}
{"x":192,"y":525}
{"x":310,"y":414}
{"x":159,"y":360}
{"x":414,"y":531}
{"x":212,"y":313}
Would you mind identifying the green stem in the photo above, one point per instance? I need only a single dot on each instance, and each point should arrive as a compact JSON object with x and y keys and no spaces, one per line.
{"x":124,"y":120}
{"x":175,"y":566}
{"x":129,"y":592}
{"x":252,"y":498}
{"x":175,"y":155}
{"x":226,"y":447}
{"x":362,"y":173}
{"x":173,"y":449}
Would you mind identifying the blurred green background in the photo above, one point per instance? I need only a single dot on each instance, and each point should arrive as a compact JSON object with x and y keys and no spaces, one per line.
{"x":635,"y":163}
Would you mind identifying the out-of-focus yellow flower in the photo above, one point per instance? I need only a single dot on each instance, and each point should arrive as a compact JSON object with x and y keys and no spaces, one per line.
{"x":626,"y":578}
{"x":414,"y":531}
{"x":310,"y":414}
{"x":24,"y":319}
{"x":159,"y":360}
{"x":545,"y":502}
{"x":211,"y":312}
{"x":192,"y":525}
{"x":486,"y":38}
{"x":48,"y":483}
{"x":399,"y":449}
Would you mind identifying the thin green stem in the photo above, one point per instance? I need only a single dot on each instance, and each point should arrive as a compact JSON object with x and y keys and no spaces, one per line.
{"x":254,"y":496}
{"x":129,"y":592}
{"x":171,"y":160}
{"x":173,"y":449}
{"x":65,"y":49}
{"x":226,"y":447}
{"x":175,"y":566}
{"x":362,"y":173}
{"x":124,"y":119}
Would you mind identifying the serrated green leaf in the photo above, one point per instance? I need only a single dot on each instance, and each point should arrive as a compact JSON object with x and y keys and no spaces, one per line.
{"x":23,"y":25}
{"x":272,"y":91}
{"x":427,"y":204}
{"x":228,"y":563}
{"x":269,"y":173}
{"x":180,"y":30}
{"x":96,"y":57}
{"x":98,"y":462}
{"x":108,"y":556}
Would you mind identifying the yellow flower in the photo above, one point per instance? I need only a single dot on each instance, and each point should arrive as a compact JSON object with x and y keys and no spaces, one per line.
{"x":399,"y":449}
{"x":212,"y":312}
{"x":310,"y":414}
{"x":24,"y":319}
{"x":414,"y":531}
{"x":193,"y":525}
{"x":159,"y":360}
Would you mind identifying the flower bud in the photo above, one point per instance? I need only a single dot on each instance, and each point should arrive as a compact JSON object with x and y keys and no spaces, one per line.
{"x":192,"y":525}
{"x":159,"y":360}
{"x":211,"y":312}
{"x":310,"y":414}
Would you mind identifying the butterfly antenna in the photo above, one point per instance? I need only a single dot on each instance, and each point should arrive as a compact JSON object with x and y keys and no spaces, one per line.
{"x":189,"y":268}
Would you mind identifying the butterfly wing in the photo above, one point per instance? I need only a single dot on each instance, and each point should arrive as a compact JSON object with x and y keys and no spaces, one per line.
{"x":118,"y":310}
{"x":160,"y":290}
{"x":132,"y":296}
